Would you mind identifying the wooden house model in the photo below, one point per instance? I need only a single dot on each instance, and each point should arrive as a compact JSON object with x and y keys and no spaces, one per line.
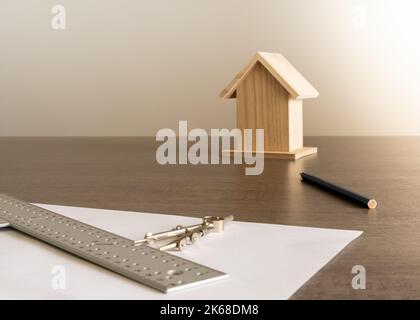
{"x":269,"y":94}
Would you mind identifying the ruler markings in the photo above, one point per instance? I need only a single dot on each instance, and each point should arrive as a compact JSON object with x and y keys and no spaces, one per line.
{"x":144,"y":264}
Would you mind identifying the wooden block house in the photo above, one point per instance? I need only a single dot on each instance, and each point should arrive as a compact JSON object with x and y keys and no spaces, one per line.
{"x":269,"y":93}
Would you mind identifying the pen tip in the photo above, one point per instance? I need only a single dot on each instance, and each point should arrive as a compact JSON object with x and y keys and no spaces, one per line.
{"x":372,"y":204}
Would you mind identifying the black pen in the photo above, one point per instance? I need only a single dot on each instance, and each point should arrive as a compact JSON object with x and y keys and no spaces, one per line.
{"x":350,"y":195}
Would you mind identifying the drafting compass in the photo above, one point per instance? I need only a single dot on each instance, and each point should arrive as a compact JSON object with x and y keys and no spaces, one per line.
{"x":135,"y":260}
{"x":180,"y":236}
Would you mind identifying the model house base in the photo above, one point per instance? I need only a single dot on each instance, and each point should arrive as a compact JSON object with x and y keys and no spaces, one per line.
{"x":292,"y":155}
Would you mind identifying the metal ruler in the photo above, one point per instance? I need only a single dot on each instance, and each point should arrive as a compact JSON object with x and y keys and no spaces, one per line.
{"x":149,"y":266}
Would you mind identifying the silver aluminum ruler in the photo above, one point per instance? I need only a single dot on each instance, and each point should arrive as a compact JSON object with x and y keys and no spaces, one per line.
{"x":144,"y":264}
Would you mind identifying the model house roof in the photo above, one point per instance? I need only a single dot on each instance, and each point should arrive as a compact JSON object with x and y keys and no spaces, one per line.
{"x":281,"y":69}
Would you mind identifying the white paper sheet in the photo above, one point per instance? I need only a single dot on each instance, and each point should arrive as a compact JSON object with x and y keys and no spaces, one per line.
{"x":264,"y":261}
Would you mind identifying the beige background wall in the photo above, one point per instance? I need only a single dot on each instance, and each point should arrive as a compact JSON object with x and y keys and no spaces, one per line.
{"x":132,"y":67}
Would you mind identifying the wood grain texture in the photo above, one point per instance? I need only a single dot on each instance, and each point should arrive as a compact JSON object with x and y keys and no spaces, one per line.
{"x":122,"y":174}
{"x":262,"y":103}
{"x":295,"y":133}
{"x":281,"y":69}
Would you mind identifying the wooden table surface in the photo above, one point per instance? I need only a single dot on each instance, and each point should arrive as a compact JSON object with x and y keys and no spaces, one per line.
{"x":122,"y":173}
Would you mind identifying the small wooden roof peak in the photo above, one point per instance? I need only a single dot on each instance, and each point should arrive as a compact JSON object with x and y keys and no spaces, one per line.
{"x":281,"y":69}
